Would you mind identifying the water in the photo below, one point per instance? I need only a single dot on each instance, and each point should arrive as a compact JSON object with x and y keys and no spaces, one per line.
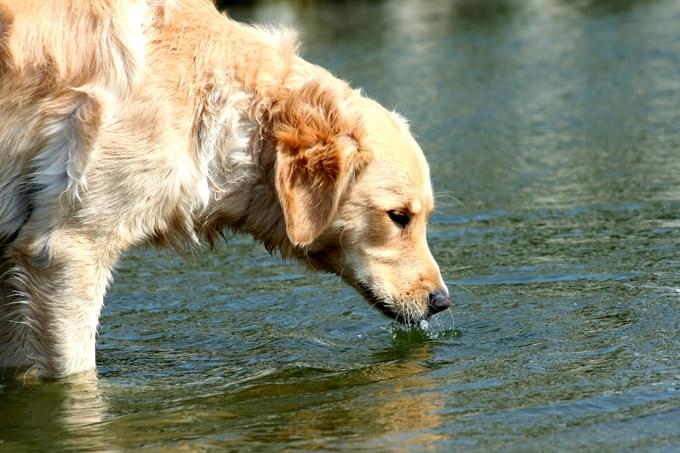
{"x":553,"y":130}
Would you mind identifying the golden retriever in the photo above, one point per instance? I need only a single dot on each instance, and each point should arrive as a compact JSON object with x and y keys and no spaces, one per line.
{"x":126,"y":122}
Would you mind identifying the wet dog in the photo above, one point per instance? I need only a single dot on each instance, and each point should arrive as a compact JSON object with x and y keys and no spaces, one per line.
{"x":164,"y":122}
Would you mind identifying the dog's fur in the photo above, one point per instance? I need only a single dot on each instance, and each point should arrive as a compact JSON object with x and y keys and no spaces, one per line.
{"x":126,"y":122}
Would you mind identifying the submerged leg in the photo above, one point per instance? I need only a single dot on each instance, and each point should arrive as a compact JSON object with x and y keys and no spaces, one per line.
{"x":50,"y":299}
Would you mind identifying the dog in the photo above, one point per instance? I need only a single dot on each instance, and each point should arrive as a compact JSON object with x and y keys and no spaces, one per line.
{"x":164,"y":122}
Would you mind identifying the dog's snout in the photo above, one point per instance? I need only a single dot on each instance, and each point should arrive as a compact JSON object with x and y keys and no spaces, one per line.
{"x":438,"y":302}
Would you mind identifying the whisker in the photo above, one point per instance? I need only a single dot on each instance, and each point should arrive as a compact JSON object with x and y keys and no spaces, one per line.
{"x":453,"y":321}
{"x":470,"y":293}
{"x":441,"y":326}
{"x":438,"y":196}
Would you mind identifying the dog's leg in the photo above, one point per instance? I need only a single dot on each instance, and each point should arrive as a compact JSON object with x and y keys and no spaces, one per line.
{"x":53,"y":291}
{"x":52,"y":273}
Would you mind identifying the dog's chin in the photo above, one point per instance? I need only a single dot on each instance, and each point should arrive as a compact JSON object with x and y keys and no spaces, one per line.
{"x":326,"y":262}
{"x":385,"y":308}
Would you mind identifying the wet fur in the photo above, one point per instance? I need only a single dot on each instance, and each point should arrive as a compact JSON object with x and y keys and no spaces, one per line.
{"x":159,"y":122}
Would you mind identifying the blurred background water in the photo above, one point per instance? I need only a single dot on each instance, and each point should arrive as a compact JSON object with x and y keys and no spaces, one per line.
{"x":553,"y":132}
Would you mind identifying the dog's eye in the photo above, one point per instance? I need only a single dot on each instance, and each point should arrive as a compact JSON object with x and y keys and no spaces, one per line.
{"x":399,"y":218}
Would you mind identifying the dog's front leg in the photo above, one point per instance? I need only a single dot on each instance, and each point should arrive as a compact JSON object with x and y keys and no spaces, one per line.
{"x":51,"y":299}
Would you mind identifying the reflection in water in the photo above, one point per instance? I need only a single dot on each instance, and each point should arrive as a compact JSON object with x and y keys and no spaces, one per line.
{"x":64,"y":414}
{"x":594,"y":114}
{"x":396,"y":406}
{"x":390,"y":402}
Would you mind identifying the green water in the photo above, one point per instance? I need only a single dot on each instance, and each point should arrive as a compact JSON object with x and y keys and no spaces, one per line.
{"x":553,"y":130}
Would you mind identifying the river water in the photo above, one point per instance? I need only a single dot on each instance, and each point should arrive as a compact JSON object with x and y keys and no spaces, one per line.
{"x":553,"y":132}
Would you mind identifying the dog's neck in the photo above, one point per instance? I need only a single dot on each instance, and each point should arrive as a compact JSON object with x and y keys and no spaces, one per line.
{"x":244,"y":198}
{"x":231,"y":133}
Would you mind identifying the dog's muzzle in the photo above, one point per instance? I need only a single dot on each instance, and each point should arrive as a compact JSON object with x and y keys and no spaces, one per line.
{"x":438,"y":302}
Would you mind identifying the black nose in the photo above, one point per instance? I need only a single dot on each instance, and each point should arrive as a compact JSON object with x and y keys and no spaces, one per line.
{"x":438,"y":302}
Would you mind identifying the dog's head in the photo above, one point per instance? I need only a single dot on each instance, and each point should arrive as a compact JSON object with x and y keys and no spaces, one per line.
{"x":355,"y":192}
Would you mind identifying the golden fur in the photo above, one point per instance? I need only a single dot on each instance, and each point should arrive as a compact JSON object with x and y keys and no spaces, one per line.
{"x":127,"y":122}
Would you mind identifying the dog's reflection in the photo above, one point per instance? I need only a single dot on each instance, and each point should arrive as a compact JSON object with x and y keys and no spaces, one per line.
{"x":53,"y":415}
{"x":401,"y":411}
{"x":392,"y":403}
{"x":389,"y":401}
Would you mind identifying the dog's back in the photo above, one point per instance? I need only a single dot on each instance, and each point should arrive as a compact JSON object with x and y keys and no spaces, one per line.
{"x":53,"y":57}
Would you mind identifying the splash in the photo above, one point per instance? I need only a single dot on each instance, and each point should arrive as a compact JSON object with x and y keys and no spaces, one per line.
{"x":432,"y":329}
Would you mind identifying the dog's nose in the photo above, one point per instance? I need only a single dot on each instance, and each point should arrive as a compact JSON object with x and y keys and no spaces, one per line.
{"x":438,"y":302}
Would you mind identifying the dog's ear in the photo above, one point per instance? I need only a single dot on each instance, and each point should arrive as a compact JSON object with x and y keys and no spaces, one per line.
{"x":317,"y":155}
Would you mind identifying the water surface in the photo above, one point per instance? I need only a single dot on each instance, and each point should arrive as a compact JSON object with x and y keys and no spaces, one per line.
{"x":553,"y":130}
